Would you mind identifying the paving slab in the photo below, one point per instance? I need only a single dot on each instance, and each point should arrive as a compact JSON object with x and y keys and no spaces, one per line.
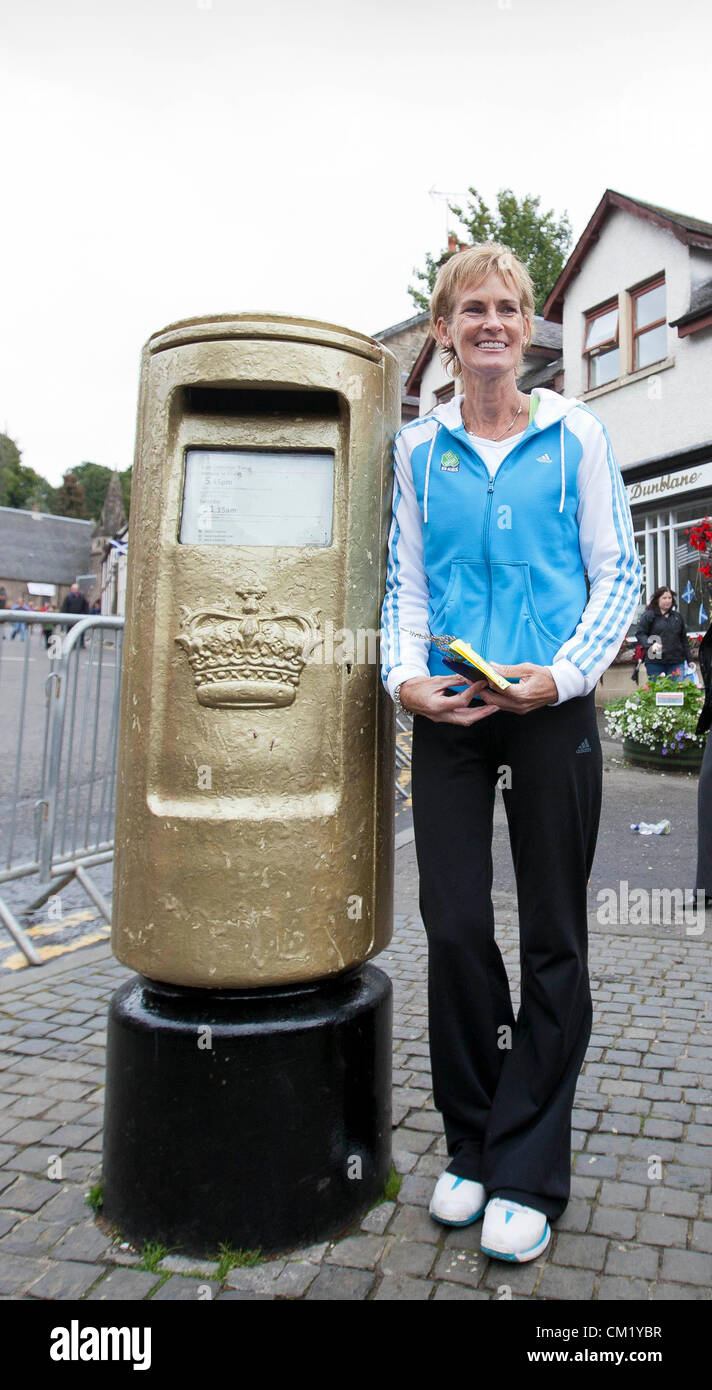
{"x":120,"y":1284}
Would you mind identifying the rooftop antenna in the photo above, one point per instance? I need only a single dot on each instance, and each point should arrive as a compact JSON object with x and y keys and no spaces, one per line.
{"x":445,"y":195}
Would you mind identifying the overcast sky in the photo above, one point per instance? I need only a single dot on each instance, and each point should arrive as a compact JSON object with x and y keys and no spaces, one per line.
{"x":164,"y":158}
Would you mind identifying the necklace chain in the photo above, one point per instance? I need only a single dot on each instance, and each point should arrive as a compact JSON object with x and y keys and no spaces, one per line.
{"x":496,"y":439}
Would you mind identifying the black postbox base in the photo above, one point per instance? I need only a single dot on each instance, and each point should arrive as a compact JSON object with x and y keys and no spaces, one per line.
{"x":259,"y":1119}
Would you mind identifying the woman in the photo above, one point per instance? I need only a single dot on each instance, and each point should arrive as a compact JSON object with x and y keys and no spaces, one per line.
{"x":502,"y":504}
{"x":662,"y":633}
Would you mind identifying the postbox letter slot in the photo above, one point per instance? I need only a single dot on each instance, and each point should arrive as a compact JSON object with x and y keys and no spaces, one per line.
{"x":230,"y":402}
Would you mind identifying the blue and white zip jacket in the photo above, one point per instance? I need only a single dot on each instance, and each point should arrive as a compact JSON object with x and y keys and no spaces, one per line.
{"x":502,"y":562}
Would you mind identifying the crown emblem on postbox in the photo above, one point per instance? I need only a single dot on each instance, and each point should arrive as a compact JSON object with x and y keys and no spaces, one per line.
{"x":249,"y":658}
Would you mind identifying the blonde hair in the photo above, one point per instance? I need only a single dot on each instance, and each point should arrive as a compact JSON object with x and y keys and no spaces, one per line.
{"x":472,"y":266}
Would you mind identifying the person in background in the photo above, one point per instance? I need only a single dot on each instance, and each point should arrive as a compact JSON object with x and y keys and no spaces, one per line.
{"x":662,"y":633}
{"x":3,"y":605}
{"x":704,"y":787}
{"x":75,"y":602}
{"x":47,"y":631}
{"x":20,"y":629}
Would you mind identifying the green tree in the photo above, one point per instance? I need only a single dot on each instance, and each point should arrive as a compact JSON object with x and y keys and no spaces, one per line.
{"x":539,"y":239}
{"x":68,"y":499}
{"x":39,"y":491}
{"x":9,"y":452}
{"x":20,"y":487}
{"x":94,"y":478}
{"x":12,"y":484}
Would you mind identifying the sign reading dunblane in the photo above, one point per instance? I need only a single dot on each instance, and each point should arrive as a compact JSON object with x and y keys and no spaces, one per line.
{"x":669,"y":484}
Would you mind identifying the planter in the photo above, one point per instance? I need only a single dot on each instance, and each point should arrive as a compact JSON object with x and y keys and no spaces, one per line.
{"x":690,"y":760}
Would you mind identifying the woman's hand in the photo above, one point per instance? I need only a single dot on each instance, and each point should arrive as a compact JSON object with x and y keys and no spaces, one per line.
{"x":425,"y":695}
{"x":536,"y":687}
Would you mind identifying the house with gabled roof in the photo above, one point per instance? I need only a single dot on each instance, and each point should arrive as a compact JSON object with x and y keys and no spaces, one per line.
{"x":48,"y":552}
{"x":405,"y":341}
{"x":634,"y":301}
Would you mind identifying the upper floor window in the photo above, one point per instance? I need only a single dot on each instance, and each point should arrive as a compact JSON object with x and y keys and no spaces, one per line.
{"x":626,"y":334}
{"x":601,"y":346}
{"x":649,"y":323}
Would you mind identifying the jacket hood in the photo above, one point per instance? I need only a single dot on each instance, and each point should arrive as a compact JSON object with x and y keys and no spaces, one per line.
{"x":551,"y":407}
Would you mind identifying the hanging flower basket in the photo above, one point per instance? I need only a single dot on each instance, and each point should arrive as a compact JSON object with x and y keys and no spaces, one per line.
{"x":661,"y":737}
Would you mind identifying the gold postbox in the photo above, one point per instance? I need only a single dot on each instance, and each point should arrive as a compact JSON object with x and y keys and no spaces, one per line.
{"x":254,"y":827}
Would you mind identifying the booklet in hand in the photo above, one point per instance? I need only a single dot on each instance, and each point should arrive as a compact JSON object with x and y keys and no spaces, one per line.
{"x":462,"y":658}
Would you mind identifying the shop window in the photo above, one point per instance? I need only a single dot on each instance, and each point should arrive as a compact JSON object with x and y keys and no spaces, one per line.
{"x":649,"y":323}
{"x":667,"y":558}
{"x":601,"y":348}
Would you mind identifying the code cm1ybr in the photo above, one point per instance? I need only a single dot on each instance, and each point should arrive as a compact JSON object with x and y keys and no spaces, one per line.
{"x":633,"y":1332}
{"x":564,"y":1334}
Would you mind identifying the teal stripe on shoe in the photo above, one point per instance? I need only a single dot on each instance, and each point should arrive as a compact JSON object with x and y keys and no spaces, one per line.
{"x":532,"y":1250}
{"x":444,"y":1221}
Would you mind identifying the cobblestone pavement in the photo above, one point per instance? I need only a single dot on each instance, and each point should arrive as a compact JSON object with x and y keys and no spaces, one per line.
{"x":638,"y":1226}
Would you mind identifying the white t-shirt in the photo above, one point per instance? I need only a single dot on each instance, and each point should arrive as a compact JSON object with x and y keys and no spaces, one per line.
{"x":492,"y":453}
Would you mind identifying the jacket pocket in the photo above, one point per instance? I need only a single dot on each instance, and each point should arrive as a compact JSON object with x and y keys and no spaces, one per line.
{"x":461,"y":611}
{"x":516,"y":631}
{"x":534,"y":612}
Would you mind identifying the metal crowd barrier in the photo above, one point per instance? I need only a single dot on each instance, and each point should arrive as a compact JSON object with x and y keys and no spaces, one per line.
{"x":58,"y":735}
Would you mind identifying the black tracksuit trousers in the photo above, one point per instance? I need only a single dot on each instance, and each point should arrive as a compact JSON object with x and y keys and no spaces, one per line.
{"x":506,"y":1087}
{"x":704,"y":820}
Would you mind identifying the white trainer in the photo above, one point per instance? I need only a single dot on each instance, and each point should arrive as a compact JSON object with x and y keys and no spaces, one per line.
{"x":513,"y":1232}
{"x":457,"y":1201}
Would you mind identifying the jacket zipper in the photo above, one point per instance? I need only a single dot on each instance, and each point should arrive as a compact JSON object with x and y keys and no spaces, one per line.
{"x":486,"y":548}
{"x":486,"y":528}
{"x":486,"y":524}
